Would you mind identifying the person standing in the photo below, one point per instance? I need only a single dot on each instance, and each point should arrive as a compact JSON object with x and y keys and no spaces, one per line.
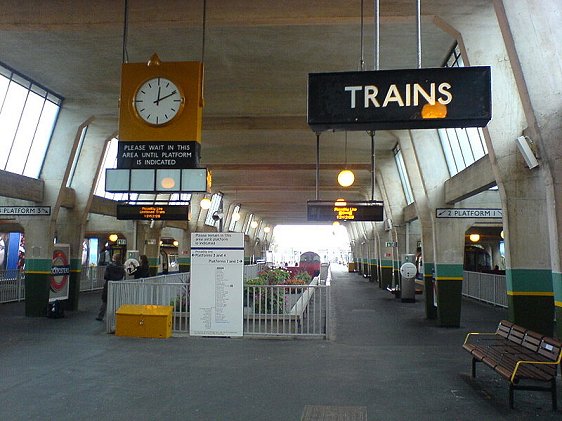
{"x":142,"y":271}
{"x":113,"y":272}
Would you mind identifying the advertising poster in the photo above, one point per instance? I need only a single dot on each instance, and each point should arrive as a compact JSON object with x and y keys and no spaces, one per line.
{"x":217,"y":283}
{"x":60,"y":273}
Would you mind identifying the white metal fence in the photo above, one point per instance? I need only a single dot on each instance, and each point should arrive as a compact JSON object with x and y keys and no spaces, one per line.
{"x":487,"y":287}
{"x":12,"y":286}
{"x":269,"y":310}
{"x":172,"y":289}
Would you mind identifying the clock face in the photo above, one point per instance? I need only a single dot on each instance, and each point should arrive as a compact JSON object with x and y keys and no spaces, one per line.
{"x":157,"y":101}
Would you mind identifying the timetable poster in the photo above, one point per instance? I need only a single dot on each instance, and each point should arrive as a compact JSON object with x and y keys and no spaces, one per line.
{"x":217,"y":283}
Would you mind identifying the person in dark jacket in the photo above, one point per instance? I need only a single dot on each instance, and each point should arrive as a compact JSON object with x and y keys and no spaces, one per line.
{"x":142,"y":271}
{"x":113,"y":272}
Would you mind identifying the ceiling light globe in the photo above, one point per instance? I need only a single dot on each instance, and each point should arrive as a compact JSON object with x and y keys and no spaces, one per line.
{"x":346,"y":178}
{"x":205,"y":203}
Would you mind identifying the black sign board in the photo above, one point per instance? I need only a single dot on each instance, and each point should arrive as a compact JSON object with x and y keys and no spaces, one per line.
{"x":156,"y":212}
{"x":400,"y":99}
{"x":164,"y":154}
{"x":318,"y":211}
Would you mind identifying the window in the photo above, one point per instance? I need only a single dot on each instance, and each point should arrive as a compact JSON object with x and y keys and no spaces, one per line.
{"x":233,"y":218}
{"x":83,"y":132}
{"x":462,"y":147}
{"x":28,"y":114}
{"x":110,"y":161}
{"x":216,"y":204}
{"x":408,"y":194}
{"x":248,"y":223}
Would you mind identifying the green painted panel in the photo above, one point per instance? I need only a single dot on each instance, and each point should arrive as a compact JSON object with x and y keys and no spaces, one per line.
{"x":184,"y":260}
{"x":529,"y":280}
{"x":428,"y":268}
{"x":557,"y":287}
{"x":386,"y":263}
{"x":448,"y":270}
{"x":533,"y":312}
{"x":38,"y":265}
{"x":76,"y":265}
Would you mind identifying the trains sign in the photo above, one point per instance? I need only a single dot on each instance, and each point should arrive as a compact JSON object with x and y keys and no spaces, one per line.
{"x":326,"y":211}
{"x":400,"y":99}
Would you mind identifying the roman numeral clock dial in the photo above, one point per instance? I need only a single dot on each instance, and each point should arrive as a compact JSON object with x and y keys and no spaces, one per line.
{"x":158,"y":101}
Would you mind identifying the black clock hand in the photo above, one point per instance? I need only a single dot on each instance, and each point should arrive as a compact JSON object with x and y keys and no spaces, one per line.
{"x":157,"y":102}
{"x":169,"y":95}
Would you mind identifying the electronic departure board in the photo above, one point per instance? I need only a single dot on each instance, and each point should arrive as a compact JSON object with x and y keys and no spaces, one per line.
{"x":319,"y":210}
{"x":153,"y":212}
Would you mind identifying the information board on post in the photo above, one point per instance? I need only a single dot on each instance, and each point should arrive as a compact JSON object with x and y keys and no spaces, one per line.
{"x":217,"y":284}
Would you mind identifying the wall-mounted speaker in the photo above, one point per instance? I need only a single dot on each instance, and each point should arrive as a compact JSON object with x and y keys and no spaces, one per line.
{"x":523,"y":144}
{"x":387,"y":224}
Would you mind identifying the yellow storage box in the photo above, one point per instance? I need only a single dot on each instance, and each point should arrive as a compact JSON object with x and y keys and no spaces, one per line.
{"x":144,"y":321}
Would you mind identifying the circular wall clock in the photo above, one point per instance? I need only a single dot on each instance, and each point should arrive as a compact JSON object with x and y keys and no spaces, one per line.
{"x":157,"y":101}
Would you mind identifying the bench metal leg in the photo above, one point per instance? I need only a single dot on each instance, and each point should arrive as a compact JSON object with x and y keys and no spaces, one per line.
{"x":553,"y":391}
{"x":511,"y":395}
{"x":473,"y":367}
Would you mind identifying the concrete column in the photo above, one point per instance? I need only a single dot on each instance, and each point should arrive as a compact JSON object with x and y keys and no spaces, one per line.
{"x":522,"y":192}
{"x":534,"y":276}
{"x":425,"y":175}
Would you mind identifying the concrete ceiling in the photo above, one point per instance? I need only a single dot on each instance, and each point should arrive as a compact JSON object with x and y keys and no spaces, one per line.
{"x":258,"y":54}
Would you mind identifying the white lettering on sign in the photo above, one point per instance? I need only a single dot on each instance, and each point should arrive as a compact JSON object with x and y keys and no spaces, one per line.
{"x":25,"y":210}
{"x":406,"y":96}
{"x":468,"y":213}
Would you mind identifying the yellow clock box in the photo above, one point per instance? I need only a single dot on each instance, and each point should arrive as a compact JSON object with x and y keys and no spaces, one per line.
{"x":161,"y":101}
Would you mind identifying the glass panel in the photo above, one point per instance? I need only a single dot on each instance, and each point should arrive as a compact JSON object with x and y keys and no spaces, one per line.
{"x":447,"y":151}
{"x":194,"y":180}
{"x":477,"y":144}
{"x":41,"y":140}
{"x":233,"y":220}
{"x":25,"y":134}
{"x":76,"y":157}
{"x":116,"y":180}
{"x":168,"y":180}
{"x":9,"y":119}
{"x":406,"y":187}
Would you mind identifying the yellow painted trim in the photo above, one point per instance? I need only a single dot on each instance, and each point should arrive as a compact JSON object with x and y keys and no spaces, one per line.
{"x":38,"y":272}
{"x":531,"y":293}
{"x":558,"y":303}
{"x":387,"y":267}
{"x":448,"y":278}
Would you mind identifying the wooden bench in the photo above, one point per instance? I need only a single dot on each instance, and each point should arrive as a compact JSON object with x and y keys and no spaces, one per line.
{"x":519,"y":356}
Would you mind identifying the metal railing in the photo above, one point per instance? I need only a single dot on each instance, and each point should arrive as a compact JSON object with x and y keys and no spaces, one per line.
{"x":91,"y":278}
{"x":286,"y":310}
{"x":487,"y":287}
{"x":272,"y":310}
{"x":12,"y":285}
{"x":164,"y":290}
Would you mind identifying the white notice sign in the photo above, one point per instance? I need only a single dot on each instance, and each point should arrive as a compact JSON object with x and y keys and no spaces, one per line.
{"x":468,"y":213}
{"x":217,"y":284}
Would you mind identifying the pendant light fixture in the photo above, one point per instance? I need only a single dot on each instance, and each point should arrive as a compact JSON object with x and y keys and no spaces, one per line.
{"x":346,"y":177}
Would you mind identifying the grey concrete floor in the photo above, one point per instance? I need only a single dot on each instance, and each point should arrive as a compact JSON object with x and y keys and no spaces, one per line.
{"x":384,"y":358}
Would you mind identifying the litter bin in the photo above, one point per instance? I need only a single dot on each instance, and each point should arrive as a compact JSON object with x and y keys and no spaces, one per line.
{"x":408,"y":282}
